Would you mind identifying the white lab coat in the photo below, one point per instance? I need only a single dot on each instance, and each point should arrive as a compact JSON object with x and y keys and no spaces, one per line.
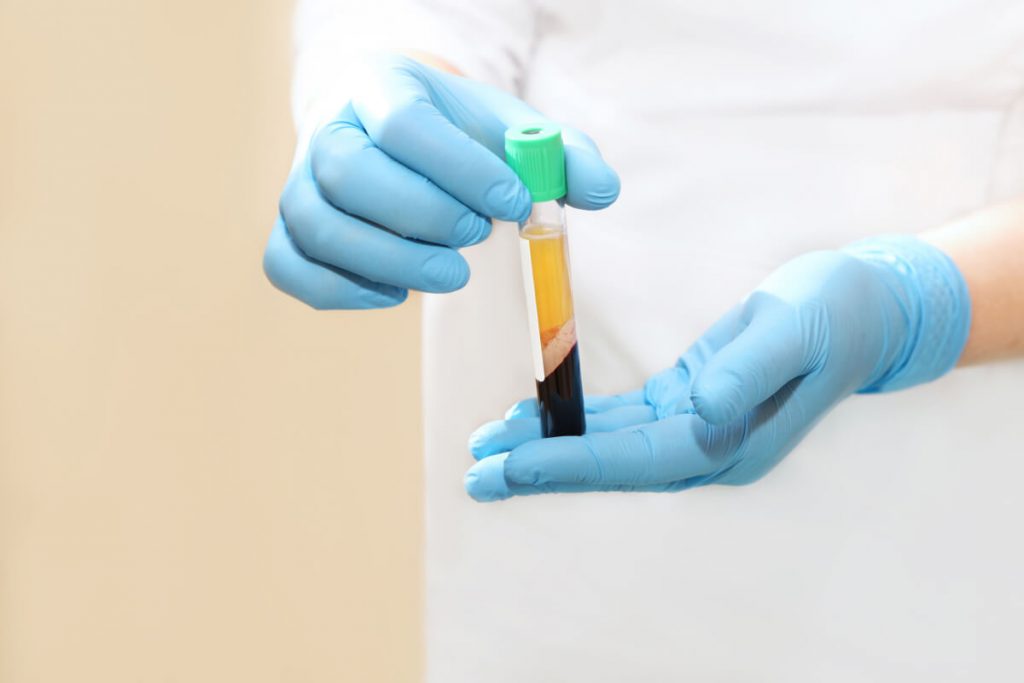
{"x":887,"y":546}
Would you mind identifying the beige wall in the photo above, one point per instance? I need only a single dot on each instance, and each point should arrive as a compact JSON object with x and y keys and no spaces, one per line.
{"x":200,"y":479}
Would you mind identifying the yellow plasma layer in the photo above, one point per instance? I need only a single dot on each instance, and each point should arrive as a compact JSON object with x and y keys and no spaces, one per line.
{"x":549,"y":266}
{"x":550,"y":279}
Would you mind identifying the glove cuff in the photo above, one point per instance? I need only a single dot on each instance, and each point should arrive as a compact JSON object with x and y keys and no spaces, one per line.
{"x":934,"y":301}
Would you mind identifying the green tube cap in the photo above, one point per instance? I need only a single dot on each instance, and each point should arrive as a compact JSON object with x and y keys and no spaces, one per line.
{"x":535,"y":152}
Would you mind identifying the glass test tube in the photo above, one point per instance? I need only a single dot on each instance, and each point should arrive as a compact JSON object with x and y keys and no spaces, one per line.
{"x":537,"y":155}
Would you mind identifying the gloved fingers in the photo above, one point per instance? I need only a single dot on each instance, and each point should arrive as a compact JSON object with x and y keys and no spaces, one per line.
{"x":669,"y":390}
{"x":523,"y":409}
{"x":599,"y":404}
{"x":624,"y":416}
{"x":318,"y":285}
{"x":333,"y":237}
{"x":591,"y":182}
{"x":499,"y":436}
{"x":769,"y":352}
{"x":591,"y":404}
{"x":657,"y":454}
{"x":360,"y":179}
{"x":504,"y":435}
{"x":402,"y":121}
{"x":485,"y":483}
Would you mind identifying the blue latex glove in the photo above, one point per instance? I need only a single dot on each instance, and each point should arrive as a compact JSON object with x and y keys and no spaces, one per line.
{"x":880,"y":315}
{"x":407,"y":173}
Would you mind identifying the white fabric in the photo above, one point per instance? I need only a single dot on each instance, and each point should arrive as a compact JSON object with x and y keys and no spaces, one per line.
{"x":887,"y":546}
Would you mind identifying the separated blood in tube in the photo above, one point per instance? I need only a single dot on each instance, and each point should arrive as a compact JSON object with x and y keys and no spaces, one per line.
{"x":536,"y":154}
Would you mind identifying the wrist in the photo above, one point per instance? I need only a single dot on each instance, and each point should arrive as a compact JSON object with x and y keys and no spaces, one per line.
{"x":933,"y":304}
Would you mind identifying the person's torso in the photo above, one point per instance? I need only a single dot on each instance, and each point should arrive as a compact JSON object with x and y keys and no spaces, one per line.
{"x":745,"y":133}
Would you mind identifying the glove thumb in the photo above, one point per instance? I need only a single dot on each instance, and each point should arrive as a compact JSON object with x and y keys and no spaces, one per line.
{"x":763,"y":358}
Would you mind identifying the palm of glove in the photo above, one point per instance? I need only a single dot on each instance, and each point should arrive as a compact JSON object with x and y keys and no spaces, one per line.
{"x":821,"y":327}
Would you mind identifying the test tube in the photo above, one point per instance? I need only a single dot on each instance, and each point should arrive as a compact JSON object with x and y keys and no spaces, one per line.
{"x":537,"y":155}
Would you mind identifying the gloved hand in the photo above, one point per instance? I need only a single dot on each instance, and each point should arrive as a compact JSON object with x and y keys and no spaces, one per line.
{"x":407,"y":173}
{"x":883,"y":314}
